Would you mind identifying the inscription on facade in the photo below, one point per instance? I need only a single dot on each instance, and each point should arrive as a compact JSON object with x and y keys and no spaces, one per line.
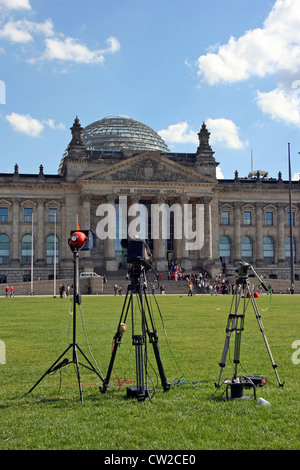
{"x":148,"y":191}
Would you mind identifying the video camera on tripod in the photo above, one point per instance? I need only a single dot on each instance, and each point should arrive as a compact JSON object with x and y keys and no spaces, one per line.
{"x":235,"y":327}
{"x":243,"y":274}
{"x":138,"y":252}
{"x":139,"y":257}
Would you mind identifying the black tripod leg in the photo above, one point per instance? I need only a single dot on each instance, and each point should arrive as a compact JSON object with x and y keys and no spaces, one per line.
{"x":75,"y":360}
{"x":117,"y":342}
{"x":153,"y":338}
{"x":230,"y":329}
{"x":261,"y":327}
{"x":50,"y":368}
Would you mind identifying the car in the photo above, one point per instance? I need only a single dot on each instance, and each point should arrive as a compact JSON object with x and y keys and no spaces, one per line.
{"x":89,"y":274}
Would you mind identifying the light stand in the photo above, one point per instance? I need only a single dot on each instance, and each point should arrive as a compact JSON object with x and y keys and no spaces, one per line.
{"x":139,"y":339}
{"x":76,"y":242}
{"x":235,"y":326}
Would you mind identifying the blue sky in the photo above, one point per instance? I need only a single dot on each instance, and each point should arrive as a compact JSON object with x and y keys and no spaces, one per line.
{"x":170,"y":64}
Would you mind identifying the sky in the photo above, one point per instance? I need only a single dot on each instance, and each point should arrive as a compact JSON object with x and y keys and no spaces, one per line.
{"x":171,"y":64}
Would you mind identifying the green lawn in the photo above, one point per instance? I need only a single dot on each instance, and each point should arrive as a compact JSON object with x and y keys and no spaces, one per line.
{"x":192,"y":415}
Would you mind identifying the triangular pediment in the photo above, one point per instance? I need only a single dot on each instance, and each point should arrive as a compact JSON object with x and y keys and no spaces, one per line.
{"x":148,"y":167}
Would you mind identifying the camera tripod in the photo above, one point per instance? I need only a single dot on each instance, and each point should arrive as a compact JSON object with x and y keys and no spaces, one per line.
{"x":73,"y":346}
{"x":235,"y":326}
{"x":137,"y":286}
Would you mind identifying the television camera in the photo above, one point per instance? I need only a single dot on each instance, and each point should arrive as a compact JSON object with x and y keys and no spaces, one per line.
{"x":139,"y":258}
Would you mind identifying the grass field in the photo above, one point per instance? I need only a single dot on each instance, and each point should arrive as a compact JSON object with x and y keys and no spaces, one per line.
{"x":192,"y":415}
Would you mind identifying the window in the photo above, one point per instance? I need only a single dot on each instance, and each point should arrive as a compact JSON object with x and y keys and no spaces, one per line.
{"x":26,"y":247}
{"x":50,"y":249}
{"x":224,"y":218}
{"x":4,"y":249}
{"x":288,"y":218}
{"x":3,"y":279}
{"x":225,"y":249}
{"x":269,"y":218}
{"x":3,"y":214}
{"x":247,"y":250}
{"x":28,"y":215}
{"x":288,"y":249}
{"x":247,"y":218}
{"x":269,"y":250}
{"x":52,"y":215}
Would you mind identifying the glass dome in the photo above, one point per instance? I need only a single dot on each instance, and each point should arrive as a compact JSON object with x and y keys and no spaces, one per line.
{"x":118,"y":133}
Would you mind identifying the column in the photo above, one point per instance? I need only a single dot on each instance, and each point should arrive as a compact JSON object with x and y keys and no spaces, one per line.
{"x":207,"y":227}
{"x":85,"y":211}
{"x":40,"y":233}
{"x":63,"y":232}
{"x":280,"y":233}
{"x":259,"y":235}
{"x":178,"y":241}
{"x":186,"y":262}
{"x":237,"y":232}
{"x":111,"y":264}
{"x":16,"y":242}
{"x":159,"y":245}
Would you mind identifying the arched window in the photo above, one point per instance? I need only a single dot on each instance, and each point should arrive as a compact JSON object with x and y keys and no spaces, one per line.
{"x":288,"y":248}
{"x":225,"y":249}
{"x":50,"y":249}
{"x":269,"y":252}
{"x":26,"y":247}
{"x":4,"y":249}
{"x":247,"y":249}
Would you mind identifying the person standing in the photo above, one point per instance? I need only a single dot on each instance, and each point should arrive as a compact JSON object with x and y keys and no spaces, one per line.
{"x":191,"y":293}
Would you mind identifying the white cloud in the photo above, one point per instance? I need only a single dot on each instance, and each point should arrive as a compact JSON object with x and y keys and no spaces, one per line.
{"x":51,"y":123}
{"x":57,"y":46}
{"x":179,"y":133}
{"x":25,"y":124}
{"x":71,"y":50}
{"x":219,"y":173}
{"x":258,"y":52}
{"x":225,"y":132}
{"x":15,"y":4}
{"x":280,"y":105}
{"x":22,"y":31}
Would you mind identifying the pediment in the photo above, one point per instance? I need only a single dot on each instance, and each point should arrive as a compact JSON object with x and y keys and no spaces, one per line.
{"x":147,"y":167}
{"x":4,"y":202}
{"x":225,"y":207}
{"x":53,"y":203}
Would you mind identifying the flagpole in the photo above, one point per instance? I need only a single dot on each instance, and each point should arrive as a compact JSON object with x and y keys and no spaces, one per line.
{"x":291,"y":224}
{"x":31,"y":273}
{"x":54,"y":277}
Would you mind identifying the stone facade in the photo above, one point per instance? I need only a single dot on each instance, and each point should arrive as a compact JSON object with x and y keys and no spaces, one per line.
{"x":244,"y":218}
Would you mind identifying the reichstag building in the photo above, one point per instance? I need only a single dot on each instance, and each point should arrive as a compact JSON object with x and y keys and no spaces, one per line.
{"x":116,"y":158}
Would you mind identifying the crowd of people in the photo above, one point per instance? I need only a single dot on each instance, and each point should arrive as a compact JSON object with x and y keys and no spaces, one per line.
{"x":200,"y":281}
